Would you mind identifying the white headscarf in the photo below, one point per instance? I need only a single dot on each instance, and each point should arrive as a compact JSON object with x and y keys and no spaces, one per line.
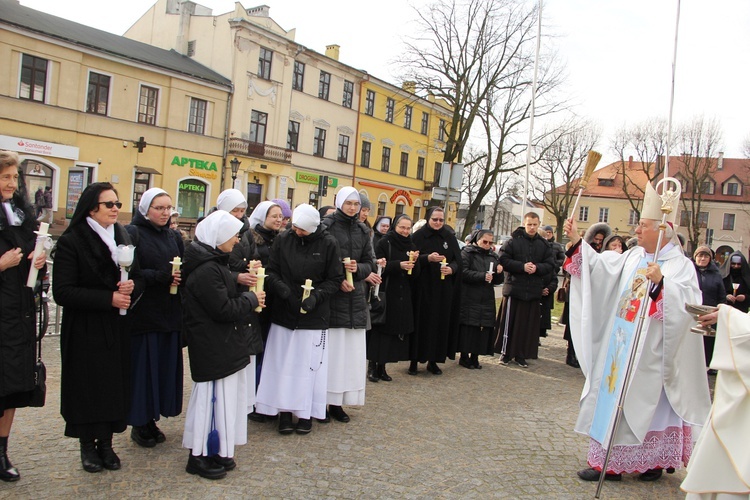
{"x":217,"y":228}
{"x":260,"y":213}
{"x":229,"y":199}
{"x":147,"y":198}
{"x":306,"y":217}
{"x":347,"y":193}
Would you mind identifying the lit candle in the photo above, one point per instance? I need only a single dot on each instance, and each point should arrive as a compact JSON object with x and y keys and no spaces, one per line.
{"x":442,"y":265}
{"x":307,"y":287}
{"x":377,"y":287}
{"x":491,"y":265}
{"x":41,"y":241}
{"x":735,"y":287}
{"x":349,"y":276}
{"x":259,"y":284}
{"x":411,"y":259}
{"x":125,"y":256}
{"x":176,"y":263}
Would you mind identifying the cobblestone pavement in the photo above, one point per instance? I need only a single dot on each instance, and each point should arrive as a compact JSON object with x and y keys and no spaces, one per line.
{"x":500,"y":432}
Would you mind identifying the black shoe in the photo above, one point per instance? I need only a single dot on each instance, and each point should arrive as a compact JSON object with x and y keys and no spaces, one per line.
{"x":325,"y":420}
{"x":110,"y":460}
{"x":373,"y":372}
{"x":142,"y":435}
{"x":8,"y":473}
{"x":156,"y":433}
{"x":651,"y":475}
{"x":304,"y":426}
{"x":521,"y":362}
{"x":592,"y":474}
{"x":433,"y":368}
{"x":256,"y":417}
{"x":286,"y":426}
{"x":413,"y":368}
{"x":464,"y":361}
{"x":505,"y":360}
{"x":227,"y":462}
{"x":338,"y":413}
{"x":90,"y":458}
{"x":711,"y":372}
{"x":382,"y":374}
{"x":205,"y":467}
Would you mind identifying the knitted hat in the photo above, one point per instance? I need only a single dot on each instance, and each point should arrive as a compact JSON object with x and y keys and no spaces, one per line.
{"x":365,"y":201}
{"x":702,"y":249}
{"x":285,"y":210}
{"x":547,"y":228}
{"x":306,"y":217}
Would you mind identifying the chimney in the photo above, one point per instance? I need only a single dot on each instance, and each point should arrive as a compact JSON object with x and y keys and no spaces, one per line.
{"x":410,"y":86}
{"x":630,"y":162}
{"x":332,"y":51}
{"x":259,"y":11}
{"x":720,"y":162}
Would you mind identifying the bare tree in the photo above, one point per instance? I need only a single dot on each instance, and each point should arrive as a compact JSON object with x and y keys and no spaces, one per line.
{"x":746,"y":147}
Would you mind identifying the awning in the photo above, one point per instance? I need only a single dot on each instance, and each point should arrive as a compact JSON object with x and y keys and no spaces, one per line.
{"x":146,"y":170}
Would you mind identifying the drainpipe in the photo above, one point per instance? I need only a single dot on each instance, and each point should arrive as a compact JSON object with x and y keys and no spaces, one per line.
{"x":226,"y":138}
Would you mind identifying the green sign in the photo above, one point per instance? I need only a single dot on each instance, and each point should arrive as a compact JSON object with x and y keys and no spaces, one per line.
{"x":307,"y":178}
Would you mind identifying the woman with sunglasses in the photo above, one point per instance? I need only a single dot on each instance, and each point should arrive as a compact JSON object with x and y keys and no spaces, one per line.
{"x":95,"y":337}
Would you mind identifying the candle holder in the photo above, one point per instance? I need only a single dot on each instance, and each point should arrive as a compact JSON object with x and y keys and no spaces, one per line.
{"x":43,"y":243}
{"x":261,"y":275}
{"x":176,"y":263}
{"x":125,"y":257}
{"x":697,"y":310}
{"x":307,"y":287}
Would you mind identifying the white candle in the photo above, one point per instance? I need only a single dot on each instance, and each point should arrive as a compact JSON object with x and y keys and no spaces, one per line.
{"x":307,"y":287}
{"x":176,"y":263}
{"x":377,"y":287}
{"x":349,"y":277}
{"x":125,"y":257}
{"x":411,"y":259}
{"x":259,"y":284}
{"x":251,"y":270}
{"x":41,"y":239}
{"x":442,"y":265}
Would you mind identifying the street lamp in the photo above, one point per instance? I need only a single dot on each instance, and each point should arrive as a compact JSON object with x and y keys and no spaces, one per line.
{"x":235,"y":164}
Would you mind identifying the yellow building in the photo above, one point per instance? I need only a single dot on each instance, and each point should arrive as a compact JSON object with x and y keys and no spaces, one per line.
{"x":81,"y":105}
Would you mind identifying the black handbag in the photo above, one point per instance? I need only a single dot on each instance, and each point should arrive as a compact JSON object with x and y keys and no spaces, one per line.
{"x":40,"y":378}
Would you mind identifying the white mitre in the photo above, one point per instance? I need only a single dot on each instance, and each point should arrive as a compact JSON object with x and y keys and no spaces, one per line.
{"x":652,"y":201}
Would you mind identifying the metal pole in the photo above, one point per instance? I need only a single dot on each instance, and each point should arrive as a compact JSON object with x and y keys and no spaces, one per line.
{"x":533,"y":109}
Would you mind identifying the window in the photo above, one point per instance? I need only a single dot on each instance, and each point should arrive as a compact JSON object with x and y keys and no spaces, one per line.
{"x":407,"y":117}
{"x":385,"y":164}
{"x":417,"y":212}
{"x":319,"y":142}
{"x":605,"y":182}
{"x":436,"y":173}
{"x":290,"y":196}
{"x":685,"y":217}
{"x":583,"y":214}
{"x":292,"y":135}
{"x":381,"y":208}
{"x":634,"y":217}
{"x":33,"y":78}
{"x":399,"y":209}
{"x":264,"y":63}
{"x":441,"y":131}
{"x":728,"y":224}
{"x":425,"y":122}
{"x":191,"y":198}
{"x":98,"y":94}
{"x":298,"y":78}
{"x":370,"y":103}
{"x":389,"y":104}
{"x":147,"y":105}
{"x":343,"y":148}
{"x":197,"y":120}
{"x":703,"y":220}
{"x":324,"y":86}
{"x":603,"y":215}
{"x":365,"y":159}
{"x":404,"y":164}
{"x":707,"y":187}
{"x":732,"y":189}
{"x":258,"y":123}
{"x":420,"y":168}
{"x":348,"y":94}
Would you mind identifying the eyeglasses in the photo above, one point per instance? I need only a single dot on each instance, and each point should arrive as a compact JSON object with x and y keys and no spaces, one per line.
{"x":437,"y":220}
{"x":111,"y":204}
{"x":162,"y":209}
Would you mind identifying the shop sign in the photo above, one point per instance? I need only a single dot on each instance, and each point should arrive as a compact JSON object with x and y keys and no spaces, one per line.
{"x":33,"y":147}
{"x":403,"y":193}
{"x":199,"y":168}
{"x":188,"y":186}
{"x":307,"y":178}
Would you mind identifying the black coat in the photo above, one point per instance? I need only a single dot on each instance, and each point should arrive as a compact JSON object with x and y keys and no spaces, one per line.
{"x":215,"y":315}
{"x":477,"y":296}
{"x":516,"y":252}
{"x":349,"y":309}
{"x":94,"y":337}
{"x":399,"y":311}
{"x":294,"y":260}
{"x":157,"y":310}
{"x":711,"y":284}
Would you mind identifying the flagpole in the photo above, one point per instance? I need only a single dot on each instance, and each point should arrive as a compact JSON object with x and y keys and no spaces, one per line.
{"x":533,"y":111}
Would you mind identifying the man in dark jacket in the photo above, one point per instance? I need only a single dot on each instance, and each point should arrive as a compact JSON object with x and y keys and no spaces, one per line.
{"x":527,"y":259}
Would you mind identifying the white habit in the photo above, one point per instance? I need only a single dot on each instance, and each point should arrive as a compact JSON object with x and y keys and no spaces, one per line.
{"x":720,"y":467}
{"x":347,"y":366}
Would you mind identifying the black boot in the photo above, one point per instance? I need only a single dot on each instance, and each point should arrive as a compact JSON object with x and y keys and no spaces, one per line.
{"x":8,"y":473}
{"x":110,"y":460}
{"x":286,"y":426}
{"x":382,"y":373}
{"x":372,"y":372}
{"x":89,"y":456}
{"x":464,"y":361}
{"x":474,"y":360}
{"x":156,"y":433}
{"x":205,"y":467}
{"x":413,"y":368}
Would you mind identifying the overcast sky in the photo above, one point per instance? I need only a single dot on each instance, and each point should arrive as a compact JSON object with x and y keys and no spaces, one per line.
{"x":618,"y":53}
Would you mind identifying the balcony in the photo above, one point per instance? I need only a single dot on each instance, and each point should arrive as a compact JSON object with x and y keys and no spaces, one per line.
{"x":255,"y":149}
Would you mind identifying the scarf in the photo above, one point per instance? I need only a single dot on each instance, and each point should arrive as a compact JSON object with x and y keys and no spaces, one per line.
{"x":107,"y":235}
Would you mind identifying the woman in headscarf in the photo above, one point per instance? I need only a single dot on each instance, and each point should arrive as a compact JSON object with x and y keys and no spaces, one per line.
{"x":156,"y":344}
{"x":712,"y":291}
{"x":17,"y":325}
{"x":215,"y":312}
{"x":481,"y":272}
{"x":94,"y":336}
{"x":437,"y":300}
{"x":389,"y":342}
{"x":295,"y":367}
{"x":381,"y":227}
{"x":736,"y":272}
{"x":614,"y":243}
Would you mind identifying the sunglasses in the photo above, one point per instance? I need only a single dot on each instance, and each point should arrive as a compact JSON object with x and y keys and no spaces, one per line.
{"x":437,"y":220}
{"x":111,"y":204}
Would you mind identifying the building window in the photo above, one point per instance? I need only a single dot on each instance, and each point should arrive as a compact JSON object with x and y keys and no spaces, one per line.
{"x":604,"y":215}
{"x":290,"y":196}
{"x":732,"y":189}
{"x":365,"y":158}
{"x":407,"y":117}
{"x":343,"y":148}
{"x":319,"y":142}
{"x":728,"y":224}
{"x":197,"y":120}
{"x":420,"y":168}
{"x":389,"y":105}
{"x":425,"y":122}
{"x":685,"y":217}
{"x":385,"y":164}
{"x":441,"y":131}
{"x":399,"y":209}
{"x":417,"y":213}
{"x":98,"y":94}
{"x":33,"y":78}
{"x":191,"y":198}
{"x":436,"y":173}
{"x":324,"y":86}
{"x":703,"y":220}
{"x":147,"y":105}
{"x":292,"y":136}
{"x":583,"y":214}
{"x":381,"y":208}
{"x":348,"y":94}
{"x":404,"y":164}
{"x":258,"y":123}
{"x":633,"y":218}
{"x":298,"y":78}
{"x":264,"y":63}
{"x":707,"y":187}
{"x":370,"y":103}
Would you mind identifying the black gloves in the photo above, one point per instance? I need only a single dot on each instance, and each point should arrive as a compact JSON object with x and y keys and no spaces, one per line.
{"x":309,"y":303}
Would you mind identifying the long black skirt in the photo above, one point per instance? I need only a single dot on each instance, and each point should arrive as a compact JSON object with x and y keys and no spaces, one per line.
{"x":517,"y":328}
{"x":476,"y":339}
{"x":16,"y":400}
{"x":383,"y":347}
